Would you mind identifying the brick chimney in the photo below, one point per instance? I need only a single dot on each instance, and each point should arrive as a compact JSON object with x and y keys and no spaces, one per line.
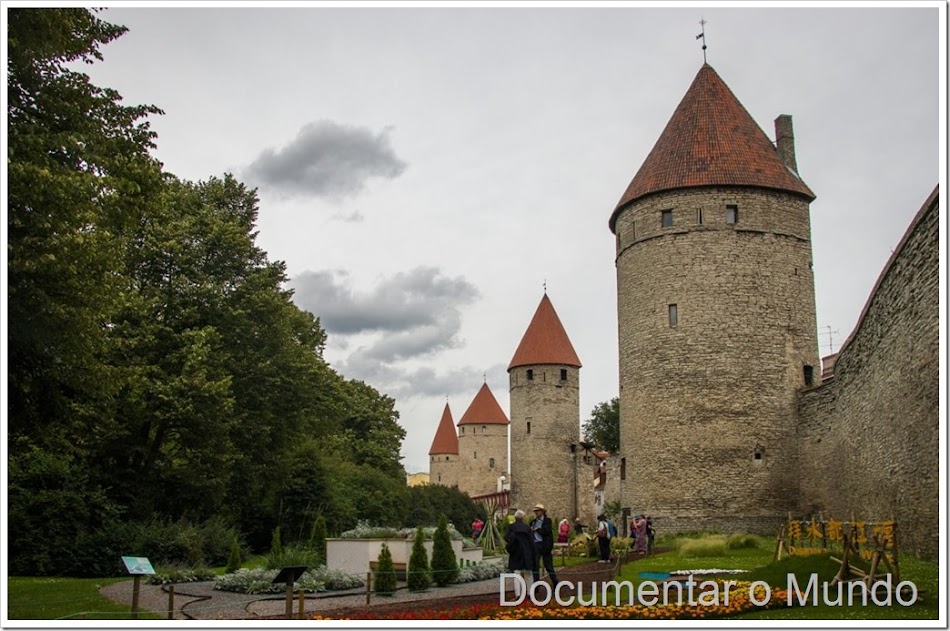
{"x":785,"y":141}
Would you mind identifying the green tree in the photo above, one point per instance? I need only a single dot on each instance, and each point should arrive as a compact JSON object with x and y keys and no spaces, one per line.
{"x":418,"y":568}
{"x":603,"y":426}
{"x":445,"y":568}
{"x":426,"y":502}
{"x":384,"y":579}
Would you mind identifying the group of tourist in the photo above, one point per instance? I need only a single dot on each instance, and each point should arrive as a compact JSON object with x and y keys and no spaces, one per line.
{"x":530,"y":545}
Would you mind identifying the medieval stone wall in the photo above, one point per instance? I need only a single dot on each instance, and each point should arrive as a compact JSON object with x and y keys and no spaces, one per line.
{"x":708,"y":404}
{"x":444,"y":469}
{"x":869,"y":437}
{"x":542,"y":467}
{"x":483,"y":455}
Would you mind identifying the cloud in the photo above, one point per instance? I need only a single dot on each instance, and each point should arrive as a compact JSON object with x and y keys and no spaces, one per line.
{"x":327,"y":159}
{"x":408,"y":303}
{"x":353,"y":217}
{"x":422,"y":382}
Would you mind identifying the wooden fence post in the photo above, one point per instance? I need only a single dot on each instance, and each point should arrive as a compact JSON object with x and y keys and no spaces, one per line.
{"x":136,"y":584}
{"x":171,"y":601}
{"x":369,"y":580}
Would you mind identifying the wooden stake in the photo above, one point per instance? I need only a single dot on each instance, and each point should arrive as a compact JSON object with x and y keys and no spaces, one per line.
{"x":300,"y":605}
{"x":171,"y":601}
{"x":136,"y":585}
{"x":289,"y":611}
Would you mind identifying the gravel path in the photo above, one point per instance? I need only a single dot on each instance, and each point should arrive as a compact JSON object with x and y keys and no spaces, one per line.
{"x":200,"y":601}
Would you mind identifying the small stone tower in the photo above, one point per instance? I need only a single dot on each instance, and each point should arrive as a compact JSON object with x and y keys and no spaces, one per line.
{"x":444,"y":453}
{"x":544,"y":378}
{"x":482,"y":444}
{"x":716,"y":318}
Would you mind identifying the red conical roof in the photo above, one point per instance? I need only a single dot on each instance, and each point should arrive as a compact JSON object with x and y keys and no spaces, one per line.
{"x":484,"y":410}
{"x":446,"y":441}
{"x":545,"y":341}
{"x":711,"y":140}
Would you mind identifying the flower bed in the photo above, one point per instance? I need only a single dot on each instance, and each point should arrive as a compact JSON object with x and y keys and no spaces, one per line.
{"x":739,"y":602}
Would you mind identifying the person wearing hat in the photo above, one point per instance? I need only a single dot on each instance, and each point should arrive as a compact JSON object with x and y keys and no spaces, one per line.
{"x":542,"y":533}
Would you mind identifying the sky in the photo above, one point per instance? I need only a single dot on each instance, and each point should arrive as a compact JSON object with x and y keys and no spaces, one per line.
{"x":426,"y":173}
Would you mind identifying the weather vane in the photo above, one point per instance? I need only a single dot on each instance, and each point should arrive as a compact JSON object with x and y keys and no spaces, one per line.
{"x":545,"y":285}
{"x":702,"y":35}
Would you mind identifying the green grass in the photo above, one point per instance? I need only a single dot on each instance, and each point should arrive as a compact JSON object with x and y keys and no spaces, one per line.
{"x":758,"y":560}
{"x":65,"y":598}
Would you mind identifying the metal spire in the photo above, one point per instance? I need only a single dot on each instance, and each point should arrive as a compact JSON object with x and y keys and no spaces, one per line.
{"x":702,"y":35}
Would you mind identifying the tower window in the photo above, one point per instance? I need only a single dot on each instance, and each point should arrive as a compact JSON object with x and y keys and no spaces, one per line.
{"x":758,"y":454}
{"x":809,"y":375}
{"x":446,"y":458}
{"x":673,"y":316}
{"x":666,"y":218}
{"x":530,"y":375}
{"x":462,"y":430}
{"x":623,"y":468}
{"x":474,"y":455}
{"x":732,"y":214}
{"x":699,"y":216}
{"x":491,"y":463}
{"x":440,"y":477}
{"x":564,"y":374}
{"x":483,"y":429}
{"x":529,"y":427}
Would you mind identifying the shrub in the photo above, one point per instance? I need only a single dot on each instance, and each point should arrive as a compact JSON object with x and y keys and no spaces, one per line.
{"x":482,"y":571}
{"x":740,"y":540}
{"x":216,"y":536}
{"x":710,"y":546}
{"x":259,"y":581}
{"x":275,"y":545}
{"x":234,"y":557}
{"x":171,"y":574}
{"x":444,"y":566}
{"x":418,"y":577}
{"x":385,"y":576}
{"x":318,"y":539}
{"x":364,"y":530}
{"x":292,"y":555}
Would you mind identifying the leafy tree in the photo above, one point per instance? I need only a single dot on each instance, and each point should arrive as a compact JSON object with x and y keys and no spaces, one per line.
{"x":418,"y":568}
{"x":426,"y":502}
{"x":444,"y":565}
{"x":385,"y":576}
{"x":603,"y":426}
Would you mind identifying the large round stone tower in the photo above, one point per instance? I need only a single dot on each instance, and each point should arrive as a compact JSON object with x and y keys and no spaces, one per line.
{"x":544,"y":379}
{"x":716,"y":316}
{"x":483,"y":444}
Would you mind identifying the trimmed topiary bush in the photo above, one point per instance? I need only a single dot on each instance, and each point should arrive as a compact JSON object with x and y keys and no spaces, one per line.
{"x":385,"y":577}
{"x":318,"y":539}
{"x":418,"y":576}
{"x":234,"y":558}
{"x":444,"y":565}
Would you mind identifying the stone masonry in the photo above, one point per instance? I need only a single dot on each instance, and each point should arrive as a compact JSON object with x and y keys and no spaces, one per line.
{"x":869,"y":436}
{"x":709,"y":402}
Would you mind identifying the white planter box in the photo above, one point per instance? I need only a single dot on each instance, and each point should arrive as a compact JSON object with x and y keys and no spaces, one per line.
{"x":353,"y":556}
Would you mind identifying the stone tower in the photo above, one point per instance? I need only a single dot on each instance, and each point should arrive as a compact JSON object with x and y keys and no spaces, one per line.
{"x":544,"y":379}
{"x":716,"y":317}
{"x":482,"y":444}
{"x":444,"y":453}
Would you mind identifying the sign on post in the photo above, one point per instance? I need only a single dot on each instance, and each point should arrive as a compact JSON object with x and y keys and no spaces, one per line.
{"x":289,"y":575}
{"x":137,"y":566}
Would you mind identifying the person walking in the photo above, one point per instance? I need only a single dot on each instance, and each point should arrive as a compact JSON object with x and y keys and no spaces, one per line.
{"x":563,"y":531}
{"x":640,"y":528}
{"x":603,"y":538}
{"x":543,"y":536}
{"x":520,"y":548}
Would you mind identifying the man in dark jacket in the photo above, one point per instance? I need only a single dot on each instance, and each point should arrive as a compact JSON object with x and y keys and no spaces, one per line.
{"x":542,"y":534}
{"x":519,"y":547}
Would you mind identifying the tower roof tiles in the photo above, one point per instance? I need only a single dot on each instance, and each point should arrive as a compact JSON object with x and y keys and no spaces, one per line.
{"x":711,"y":140}
{"x":484,"y":410}
{"x":545,"y":341}
{"x":446,"y":441}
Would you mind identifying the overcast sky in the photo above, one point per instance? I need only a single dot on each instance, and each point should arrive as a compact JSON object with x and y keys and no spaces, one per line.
{"x":425,"y":171}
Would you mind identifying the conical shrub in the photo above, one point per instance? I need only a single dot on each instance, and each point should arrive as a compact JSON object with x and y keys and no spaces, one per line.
{"x":234,"y":557}
{"x":318,"y":539}
{"x":385,"y":577}
{"x":419,"y":578}
{"x":445,"y":568}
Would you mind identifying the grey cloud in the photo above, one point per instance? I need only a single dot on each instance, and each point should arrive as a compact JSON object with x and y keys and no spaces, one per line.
{"x":353,"y":217}
{"x":424,"y":382}
{"x":327,"y":159}
{"x":420,"y":305}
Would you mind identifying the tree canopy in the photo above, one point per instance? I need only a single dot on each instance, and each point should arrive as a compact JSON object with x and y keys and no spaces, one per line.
{"x":158,"y":367}
{"x":603,"y":426}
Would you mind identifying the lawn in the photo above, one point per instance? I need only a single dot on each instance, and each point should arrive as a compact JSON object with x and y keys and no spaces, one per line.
{"x":65,"y":599}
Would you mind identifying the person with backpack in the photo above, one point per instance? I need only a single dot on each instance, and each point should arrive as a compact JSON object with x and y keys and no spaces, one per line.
{"x":603,"y":538}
